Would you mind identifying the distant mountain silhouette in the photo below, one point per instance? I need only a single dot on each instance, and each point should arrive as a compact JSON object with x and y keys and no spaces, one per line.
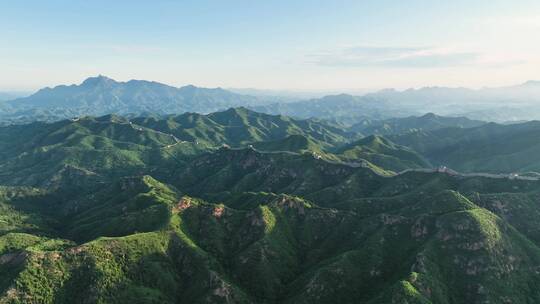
{"x":102,"y":95}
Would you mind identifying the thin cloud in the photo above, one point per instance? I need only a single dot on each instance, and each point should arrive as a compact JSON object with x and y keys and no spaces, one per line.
{"x":399,"y":57}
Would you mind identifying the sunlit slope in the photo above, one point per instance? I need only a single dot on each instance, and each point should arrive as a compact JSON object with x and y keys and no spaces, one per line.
{"x":443,"y":248}
{"x":239,"y":126}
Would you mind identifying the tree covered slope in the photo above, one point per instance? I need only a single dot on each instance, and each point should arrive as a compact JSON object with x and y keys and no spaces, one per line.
{"x":425,"y":122}
{"x":111,"y":210}
{"x":143,"y":241}
{"x":240,"y":126}
{"x":383,"y":153}
{"x":488,"y":148}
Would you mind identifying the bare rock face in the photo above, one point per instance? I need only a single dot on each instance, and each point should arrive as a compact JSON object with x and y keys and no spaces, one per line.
{"x":218,"y":211}
{"x":291,"y":203}
{"x":183,"y":204}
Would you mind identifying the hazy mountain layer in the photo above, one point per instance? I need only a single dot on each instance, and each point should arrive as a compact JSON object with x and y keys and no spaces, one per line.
{"x":101,"y":95}
{"x":503,"y":104}
{"x":342,"y":108}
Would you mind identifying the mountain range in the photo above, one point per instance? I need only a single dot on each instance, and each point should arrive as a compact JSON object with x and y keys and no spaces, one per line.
{"x":486,"y":148}
{"x":101,"y":95}
{"x":426,"y":122}
{"x":148,"y":210}
{"x":138,"y":192}
{"x":488,"y":104}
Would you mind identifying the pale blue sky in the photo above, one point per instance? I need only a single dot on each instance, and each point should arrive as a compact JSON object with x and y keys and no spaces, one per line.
{"x":306,"y":45}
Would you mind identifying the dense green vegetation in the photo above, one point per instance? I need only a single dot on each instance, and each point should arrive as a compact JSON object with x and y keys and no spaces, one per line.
{"x":157,"y":210}
{"x":239,"y":126}
{"x":426,"y":122}
{"x":382,"y":152}
{"x":488,"y":148}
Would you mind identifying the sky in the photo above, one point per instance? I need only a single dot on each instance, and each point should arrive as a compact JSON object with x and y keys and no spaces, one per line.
{"x":307,"y":45}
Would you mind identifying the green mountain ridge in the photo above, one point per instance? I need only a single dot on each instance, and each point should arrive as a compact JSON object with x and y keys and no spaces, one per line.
{"x":383,"y":153}
{"x":240,"y":126}
{"x":488,"y":148}
{"x":426,"y":122}
{"x":156,"y":210}
{"x":291,"y":143}
{"x":284,"y":250}
{"x":102,"y":145}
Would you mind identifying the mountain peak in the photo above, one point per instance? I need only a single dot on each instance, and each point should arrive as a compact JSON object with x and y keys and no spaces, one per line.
{"x":189,"y":88}
{"x":98,"y":80}
{"x":429,"y":115}
{"x":235,"y":111}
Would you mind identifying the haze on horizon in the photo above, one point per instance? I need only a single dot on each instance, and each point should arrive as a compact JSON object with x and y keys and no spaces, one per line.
{"x":303,"y":45}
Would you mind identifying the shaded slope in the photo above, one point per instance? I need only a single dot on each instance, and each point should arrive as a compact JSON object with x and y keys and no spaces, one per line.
{"x":489,"y":148}
{"x":441,"y":249}
{"x":291,"y":143}
{"x":35,"y":154}
{"x":383,"y":153}
{"x":239,"y":225}
{"x":426,"y":122}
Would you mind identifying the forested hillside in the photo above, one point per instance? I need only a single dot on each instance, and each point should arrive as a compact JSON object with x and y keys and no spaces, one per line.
{"x":242,"y":207}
